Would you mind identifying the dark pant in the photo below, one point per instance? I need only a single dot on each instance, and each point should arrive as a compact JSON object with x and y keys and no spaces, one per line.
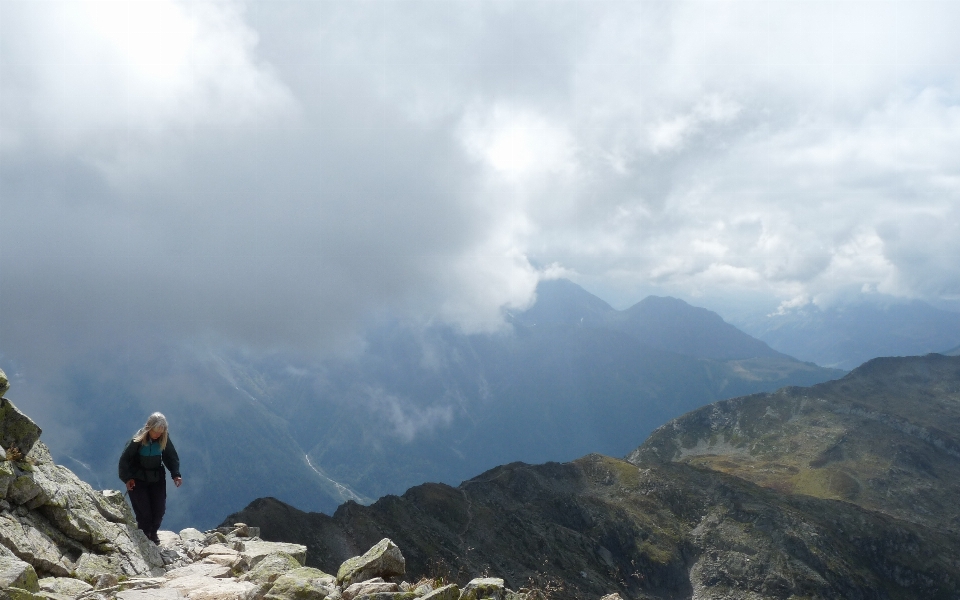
{"x":149,"y":502}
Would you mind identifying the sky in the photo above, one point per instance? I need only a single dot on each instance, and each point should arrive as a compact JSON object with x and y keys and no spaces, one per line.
{"x":278,"y":173}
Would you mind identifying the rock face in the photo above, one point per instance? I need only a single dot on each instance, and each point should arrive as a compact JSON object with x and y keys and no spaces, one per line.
{"x":55,"y":522}
{"x":803,"y":493}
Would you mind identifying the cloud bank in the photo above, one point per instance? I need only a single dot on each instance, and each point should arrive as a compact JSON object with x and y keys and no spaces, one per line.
{"x":274,"y":174}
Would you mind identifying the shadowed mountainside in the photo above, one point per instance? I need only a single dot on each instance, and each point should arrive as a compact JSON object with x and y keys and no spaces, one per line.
{"x":844,"y":489}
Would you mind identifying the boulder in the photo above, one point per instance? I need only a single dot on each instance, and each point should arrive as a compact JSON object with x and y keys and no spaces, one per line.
{"x":270,"y":568}
{"x":202,"y":569}
{"x":16,"y":573}
{"x":114,"y":507}
{"x":23,"y":489}
{"x":155,"y":594}
{"x":383,"y":560}
{"x":4,"y":383}
{"x":16,"y":428}
{"x":303,"y":583}
{"x":447,"y":592}
{"x":371,"y":586}
{"x":19,"y":594}
{"x":257,"y":550}
{"x":66,"y":586}
{"x":35,"y":541}
{"x":483,"y":587}
{"x":200,"y":587}
{"x":192,"y":535}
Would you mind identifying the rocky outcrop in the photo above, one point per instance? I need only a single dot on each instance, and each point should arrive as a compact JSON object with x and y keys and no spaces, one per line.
{"x":384,"y":559}
{"x":58,"y":524}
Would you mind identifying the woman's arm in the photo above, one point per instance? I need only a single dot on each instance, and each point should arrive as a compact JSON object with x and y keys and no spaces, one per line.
{"x":172,"y":462}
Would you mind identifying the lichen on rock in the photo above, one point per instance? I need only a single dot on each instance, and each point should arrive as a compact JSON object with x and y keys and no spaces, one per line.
{"x":383,"y":560}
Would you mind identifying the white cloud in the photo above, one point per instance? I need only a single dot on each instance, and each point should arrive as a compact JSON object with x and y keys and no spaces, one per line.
{"x":406,"y":420}
{"x":517,"y":142}
{"x":104,"y":78}
{"x":277,"y":174}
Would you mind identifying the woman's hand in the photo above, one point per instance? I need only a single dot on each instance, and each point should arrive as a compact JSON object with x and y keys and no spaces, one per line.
{"x":130,"y":485}
{"x":177,"y":481}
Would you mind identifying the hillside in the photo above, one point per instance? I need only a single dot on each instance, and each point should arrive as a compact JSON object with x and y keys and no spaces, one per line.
{"x":570,"y":376}
{"x":885,"y":437}
{"x":842,"y":490}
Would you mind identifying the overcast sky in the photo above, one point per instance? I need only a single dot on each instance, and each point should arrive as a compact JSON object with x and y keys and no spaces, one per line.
{"x":274,"y":173}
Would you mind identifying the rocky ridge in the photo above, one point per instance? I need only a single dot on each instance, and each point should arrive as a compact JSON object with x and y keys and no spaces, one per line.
{"x":846,"y":489}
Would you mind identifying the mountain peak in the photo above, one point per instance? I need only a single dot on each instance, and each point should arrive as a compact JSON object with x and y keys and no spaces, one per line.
{"x":674,"y":325}
{"x":562,"y":302}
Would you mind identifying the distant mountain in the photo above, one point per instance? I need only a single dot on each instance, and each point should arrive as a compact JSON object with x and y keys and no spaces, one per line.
{"x":886,"y":437}
{"x":846,"y":336}
{"x":846,"y":489}
{"x":424,"y":404}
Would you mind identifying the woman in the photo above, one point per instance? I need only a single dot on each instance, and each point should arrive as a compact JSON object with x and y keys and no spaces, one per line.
{"x":142,"y":470}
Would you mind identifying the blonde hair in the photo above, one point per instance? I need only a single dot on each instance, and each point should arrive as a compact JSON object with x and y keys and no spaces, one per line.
{"x":155,"y":421}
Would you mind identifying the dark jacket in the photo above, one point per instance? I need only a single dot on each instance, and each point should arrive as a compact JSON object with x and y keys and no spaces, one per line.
{"x":145,"y":462}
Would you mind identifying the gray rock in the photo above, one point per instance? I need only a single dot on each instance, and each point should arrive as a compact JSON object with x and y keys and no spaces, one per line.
{"x":16,"y":573}
{"x":66,"y":586}
{"x":383,"y":560}
{"x":7,"y":476}
{"x":483,"y":587}
{"x":16,"y":428}
{"x":269,"y":568}
{"x":20,"y":594}
{"x":203,"y":569}
{"x":105,"y":581}
{"x":447,"y":592}
{"x":23,"y":489}
{"x":4,"y":383}
{"x":257,"y":550}
{"x":371,"y":586}
{"x":156,"y":594}
{"x":114,"y":508}
{"x":198,"y":587}
{"x":35,"y":541}
{"x":304,"y":583}
{"x":191,"y":534}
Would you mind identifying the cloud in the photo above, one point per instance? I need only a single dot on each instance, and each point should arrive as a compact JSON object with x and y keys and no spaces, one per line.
{"x":100,"y":79}
{"x":405,"y":420}
{"x":274,"y":176}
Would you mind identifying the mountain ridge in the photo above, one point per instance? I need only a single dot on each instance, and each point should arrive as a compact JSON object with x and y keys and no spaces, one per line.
{"x":416,"y":404}
{"x":664,"y":524}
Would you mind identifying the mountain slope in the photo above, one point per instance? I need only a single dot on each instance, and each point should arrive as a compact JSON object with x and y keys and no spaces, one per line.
{"x":777,"y":495}
{"x":417,"y":404}
{"x":662,"y":531}
{"x":885,"y":437}
{"x":672,"y":324}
